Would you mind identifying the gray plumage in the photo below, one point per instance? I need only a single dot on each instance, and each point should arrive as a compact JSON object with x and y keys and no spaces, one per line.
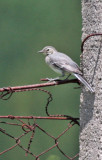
{"x":63,"y":64}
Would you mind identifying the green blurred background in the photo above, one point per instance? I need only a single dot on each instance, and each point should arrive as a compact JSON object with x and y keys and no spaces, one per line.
{"x":26,"y":26}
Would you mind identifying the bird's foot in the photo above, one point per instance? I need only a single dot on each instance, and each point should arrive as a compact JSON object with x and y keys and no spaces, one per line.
{"x":53,"y":79}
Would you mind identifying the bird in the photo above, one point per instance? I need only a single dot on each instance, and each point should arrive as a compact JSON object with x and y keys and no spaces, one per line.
{"x":63,"y":64}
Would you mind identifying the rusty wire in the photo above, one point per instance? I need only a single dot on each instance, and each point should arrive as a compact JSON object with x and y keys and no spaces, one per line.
{"x":91,"y":35}
{"x":27,"y":128}
{"x":31,"y":128}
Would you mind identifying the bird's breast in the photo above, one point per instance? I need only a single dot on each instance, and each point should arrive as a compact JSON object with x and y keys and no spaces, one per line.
{"x":53,"y":66}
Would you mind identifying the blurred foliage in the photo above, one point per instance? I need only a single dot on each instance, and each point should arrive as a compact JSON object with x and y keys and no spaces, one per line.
{"x":25,"y":28}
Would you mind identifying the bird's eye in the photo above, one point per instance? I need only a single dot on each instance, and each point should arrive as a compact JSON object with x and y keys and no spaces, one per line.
{"x":47,"y":49}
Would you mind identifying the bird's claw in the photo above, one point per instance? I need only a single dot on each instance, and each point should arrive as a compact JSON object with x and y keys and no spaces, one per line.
{"x":52,"y":79}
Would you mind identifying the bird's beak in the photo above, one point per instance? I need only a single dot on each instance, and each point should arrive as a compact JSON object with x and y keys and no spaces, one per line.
{"x":40,"y":51}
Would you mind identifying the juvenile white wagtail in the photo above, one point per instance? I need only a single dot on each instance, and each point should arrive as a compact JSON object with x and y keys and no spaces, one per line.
{"x":63,"y":64}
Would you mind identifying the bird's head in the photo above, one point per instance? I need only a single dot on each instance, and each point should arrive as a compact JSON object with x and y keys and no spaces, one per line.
{"x":48,"y":50}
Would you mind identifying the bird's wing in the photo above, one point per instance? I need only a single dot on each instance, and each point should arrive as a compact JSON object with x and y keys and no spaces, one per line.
{"x":67,"y":68}
{"x":65,"y":63}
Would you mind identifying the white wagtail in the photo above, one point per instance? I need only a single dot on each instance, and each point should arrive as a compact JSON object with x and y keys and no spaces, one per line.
{"x":63,"y":64}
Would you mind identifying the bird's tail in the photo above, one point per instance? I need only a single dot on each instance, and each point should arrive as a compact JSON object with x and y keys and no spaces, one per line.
{"x":83,"y":81}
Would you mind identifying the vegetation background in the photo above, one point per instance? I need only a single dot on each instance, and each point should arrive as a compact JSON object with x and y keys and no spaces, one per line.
{"x":25,"y":28}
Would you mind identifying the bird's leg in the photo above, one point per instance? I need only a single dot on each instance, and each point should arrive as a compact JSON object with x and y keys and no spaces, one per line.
{"x":53,"y":79}
{"x":67,"y":77}
{"x":57,"y":78}
{"x":63,"y":74}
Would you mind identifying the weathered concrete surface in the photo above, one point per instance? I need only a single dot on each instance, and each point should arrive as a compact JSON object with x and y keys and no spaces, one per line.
{"x":91,"y":62}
